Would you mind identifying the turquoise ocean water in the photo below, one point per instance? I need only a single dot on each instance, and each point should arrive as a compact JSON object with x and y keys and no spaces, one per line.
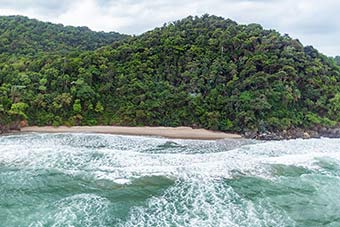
{"x":93,"y":180}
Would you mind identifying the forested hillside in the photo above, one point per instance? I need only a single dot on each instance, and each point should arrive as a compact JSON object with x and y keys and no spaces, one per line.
{"x":21,"y":35}
{"x":200,"y":71}
{"x":337,"y":60}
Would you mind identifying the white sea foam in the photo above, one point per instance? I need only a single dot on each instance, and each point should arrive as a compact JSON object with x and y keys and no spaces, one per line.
{"x":122,"y":157}
{"x":199,"y":196}
{"x":85,"y":209}
{"x":205,"y":203}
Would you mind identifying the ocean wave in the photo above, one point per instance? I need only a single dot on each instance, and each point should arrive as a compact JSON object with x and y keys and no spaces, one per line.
{"x":146,"y":181}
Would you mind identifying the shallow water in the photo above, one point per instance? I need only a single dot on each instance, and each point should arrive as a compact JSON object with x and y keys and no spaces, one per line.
{"x":106,"y":180}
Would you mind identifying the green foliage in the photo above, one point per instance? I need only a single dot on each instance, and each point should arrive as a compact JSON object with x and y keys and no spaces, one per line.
{"x":337,"y":60}
{"x":200,"y":71}
{"x":18,"y":110}
{"x":21,"y":35}
{"x":313,"y":118}
{"x":99,"y":107}
{"x":77,"y":106}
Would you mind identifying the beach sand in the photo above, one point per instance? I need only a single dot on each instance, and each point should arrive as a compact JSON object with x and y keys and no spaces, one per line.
{"x":169,"y":132}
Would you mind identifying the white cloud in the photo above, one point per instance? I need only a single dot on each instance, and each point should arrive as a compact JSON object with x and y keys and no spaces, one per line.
{"x":89,"y":13}
{"x":312,"y":21}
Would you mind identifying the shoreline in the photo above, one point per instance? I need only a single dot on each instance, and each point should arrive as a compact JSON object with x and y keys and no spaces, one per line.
{"x":167,"y":132}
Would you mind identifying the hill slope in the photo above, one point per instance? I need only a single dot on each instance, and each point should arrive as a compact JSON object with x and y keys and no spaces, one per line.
{"x":200,"y":71}
{"x":21,"y":35}
{"x":337,"y":60}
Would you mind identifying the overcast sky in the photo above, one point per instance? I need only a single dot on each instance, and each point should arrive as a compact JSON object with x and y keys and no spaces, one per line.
{"x":314,"y":22}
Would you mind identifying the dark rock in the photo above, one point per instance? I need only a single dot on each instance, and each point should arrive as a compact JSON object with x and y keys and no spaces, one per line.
{"x":251,"y":135}
{"x":295,"y":133}
{"x":314,"y":134}
{"x":3,"y":129}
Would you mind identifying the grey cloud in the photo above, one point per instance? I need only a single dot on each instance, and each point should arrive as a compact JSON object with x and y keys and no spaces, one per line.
{"x":314,"y":22}
{"x":53,"y":7}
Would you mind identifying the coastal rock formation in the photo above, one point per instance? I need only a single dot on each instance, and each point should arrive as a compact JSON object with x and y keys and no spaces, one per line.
{"x":14,"y":127}
{"x":296,"y":133}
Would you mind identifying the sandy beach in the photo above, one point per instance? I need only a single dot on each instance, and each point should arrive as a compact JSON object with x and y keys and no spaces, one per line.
{"x":169,"y":132}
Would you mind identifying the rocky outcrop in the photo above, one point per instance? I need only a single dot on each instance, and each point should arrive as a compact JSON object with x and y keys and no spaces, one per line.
{"x":14,"y":127}
{"x":295,"y":133}
{"x":3,"y":129}
{"x":330,"y":132}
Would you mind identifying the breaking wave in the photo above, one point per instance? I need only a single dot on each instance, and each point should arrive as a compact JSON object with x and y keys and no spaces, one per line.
{"x":110,"y":180}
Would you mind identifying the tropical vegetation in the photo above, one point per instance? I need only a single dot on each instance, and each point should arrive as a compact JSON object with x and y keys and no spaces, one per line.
{"x":203,"y":71}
